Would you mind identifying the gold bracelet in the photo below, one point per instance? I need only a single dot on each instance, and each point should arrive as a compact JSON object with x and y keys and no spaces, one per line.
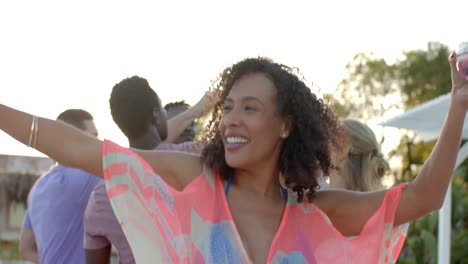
{"x":33,"y":132}
{"x":36,"y":130}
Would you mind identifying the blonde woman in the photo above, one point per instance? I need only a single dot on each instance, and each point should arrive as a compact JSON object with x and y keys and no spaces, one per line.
{"x":363,"y":168}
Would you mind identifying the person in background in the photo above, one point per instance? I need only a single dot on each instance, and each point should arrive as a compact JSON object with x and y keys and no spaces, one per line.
{"x":137,"y":111}
{"x":52,"y":229}
{"x":364,"y":166}
{"x":174,"y":109}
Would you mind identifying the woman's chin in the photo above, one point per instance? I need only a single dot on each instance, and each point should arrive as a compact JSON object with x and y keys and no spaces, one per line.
{"x":235,"y":163}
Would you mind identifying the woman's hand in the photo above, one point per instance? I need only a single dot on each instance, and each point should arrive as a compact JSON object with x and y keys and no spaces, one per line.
{"x":459,"y":84}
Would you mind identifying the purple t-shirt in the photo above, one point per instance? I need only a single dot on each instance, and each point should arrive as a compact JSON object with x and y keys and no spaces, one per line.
{"x":56,"y":205}
{"x":102,"y":227}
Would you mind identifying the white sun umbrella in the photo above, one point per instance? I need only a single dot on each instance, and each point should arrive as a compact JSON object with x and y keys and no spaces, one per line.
{"x":426,"y":120}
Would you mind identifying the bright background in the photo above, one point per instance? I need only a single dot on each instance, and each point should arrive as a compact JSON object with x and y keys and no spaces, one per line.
{"x":56,"y":55}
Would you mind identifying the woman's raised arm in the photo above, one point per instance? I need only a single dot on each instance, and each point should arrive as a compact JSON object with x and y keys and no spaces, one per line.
{"x":72,"y":147}
{"x":62,"y":142}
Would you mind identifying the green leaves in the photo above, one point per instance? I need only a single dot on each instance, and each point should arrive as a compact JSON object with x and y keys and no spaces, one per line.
{"x":421,"y":244}
{"x":374,"y":87}
{"x":459,"y":247}
{"x":370,"y":82}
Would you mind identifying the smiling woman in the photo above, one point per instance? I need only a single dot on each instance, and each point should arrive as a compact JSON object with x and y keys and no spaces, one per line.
{"x":269,"y":116}
{"x":228,"y":206}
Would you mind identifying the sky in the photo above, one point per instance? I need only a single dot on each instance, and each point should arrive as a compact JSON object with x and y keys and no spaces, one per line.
{"x":56,"y":55}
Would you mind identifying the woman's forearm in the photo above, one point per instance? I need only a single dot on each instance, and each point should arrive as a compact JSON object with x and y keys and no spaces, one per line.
{"x":62,"y":142}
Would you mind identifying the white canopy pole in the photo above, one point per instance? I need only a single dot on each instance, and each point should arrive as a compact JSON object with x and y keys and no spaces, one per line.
{"x":444,"y":229}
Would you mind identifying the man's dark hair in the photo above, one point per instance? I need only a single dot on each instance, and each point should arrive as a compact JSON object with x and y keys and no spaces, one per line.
{"x":174,"y":104}
{"x":75,"y":117}
{"x":132,"y":103}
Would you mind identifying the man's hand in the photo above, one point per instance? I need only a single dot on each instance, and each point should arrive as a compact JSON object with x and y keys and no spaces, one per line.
{"x":28,"y":246}
{"x":206,"y":103}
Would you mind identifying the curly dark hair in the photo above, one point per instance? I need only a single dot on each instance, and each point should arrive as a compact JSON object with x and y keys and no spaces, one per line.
{"x":132,"y":102}
{"x":315,"y":132}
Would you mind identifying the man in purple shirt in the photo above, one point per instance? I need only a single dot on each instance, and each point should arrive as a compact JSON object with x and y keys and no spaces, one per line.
{"x":53,"y":225}
{"x":137,"y":111}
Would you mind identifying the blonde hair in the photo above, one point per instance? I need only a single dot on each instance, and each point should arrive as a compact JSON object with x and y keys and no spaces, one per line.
{"x":365,"y":165}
